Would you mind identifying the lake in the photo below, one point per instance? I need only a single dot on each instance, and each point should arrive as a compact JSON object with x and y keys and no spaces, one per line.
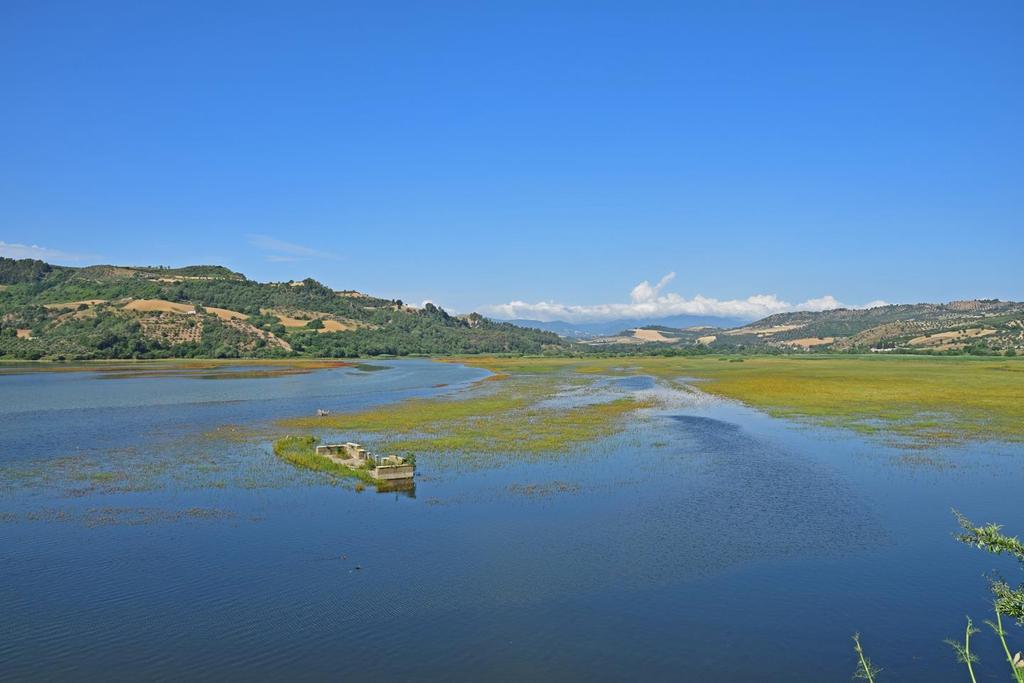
{"x":147,"y":531}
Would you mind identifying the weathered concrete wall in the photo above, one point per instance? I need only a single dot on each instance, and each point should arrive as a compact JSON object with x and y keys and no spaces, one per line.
{"x":399,"y":472}
{"x":354,"y":450}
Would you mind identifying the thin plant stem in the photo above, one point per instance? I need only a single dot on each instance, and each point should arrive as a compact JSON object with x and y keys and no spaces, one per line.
{"x":866,"y":670}
{"x":1018,"y":674}
{"x":967,"y":648}
{"x":963,"y":650}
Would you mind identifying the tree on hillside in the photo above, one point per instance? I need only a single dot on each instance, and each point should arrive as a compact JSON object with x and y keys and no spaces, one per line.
{"x":15,"y":271}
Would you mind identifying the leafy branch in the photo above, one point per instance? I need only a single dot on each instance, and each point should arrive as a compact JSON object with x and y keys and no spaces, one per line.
{"x":1009,"y":601}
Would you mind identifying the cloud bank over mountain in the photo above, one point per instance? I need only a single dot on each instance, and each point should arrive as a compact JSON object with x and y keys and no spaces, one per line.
{"x":649,"y":302}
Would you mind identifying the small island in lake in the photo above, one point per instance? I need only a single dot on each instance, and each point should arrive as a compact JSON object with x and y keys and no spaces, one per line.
{"x":354,"y":456}
{"x":346,"y":459}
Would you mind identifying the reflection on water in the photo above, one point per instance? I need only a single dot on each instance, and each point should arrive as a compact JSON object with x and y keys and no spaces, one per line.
{"x":404,"y":487}
{"x":133,"y":548}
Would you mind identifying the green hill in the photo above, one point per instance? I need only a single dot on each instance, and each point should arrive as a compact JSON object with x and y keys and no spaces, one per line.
{"x":97,"y":312}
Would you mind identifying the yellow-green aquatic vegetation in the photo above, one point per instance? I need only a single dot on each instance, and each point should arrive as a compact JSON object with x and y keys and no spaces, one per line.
{"x":921,"y":400}
{"x":930,"y":400}
{"x":510,"y":416}
{"x":927,"y":400}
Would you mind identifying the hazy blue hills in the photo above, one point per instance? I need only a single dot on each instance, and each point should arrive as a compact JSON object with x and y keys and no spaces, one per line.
{"x":612,"y":327}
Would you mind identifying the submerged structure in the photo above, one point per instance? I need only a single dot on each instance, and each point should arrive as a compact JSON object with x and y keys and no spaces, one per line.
{"x":384,"y":468}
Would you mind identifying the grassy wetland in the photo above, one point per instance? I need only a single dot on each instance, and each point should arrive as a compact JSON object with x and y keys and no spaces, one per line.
{"x":918,"y":401}
{"x":509,"y":415}
{"x":922,"y":399}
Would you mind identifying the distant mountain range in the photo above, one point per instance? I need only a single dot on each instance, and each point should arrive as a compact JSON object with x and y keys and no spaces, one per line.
{"x":602,"y":329}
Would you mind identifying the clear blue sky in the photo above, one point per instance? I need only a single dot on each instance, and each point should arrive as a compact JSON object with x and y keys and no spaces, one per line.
{"x":475,"y":153}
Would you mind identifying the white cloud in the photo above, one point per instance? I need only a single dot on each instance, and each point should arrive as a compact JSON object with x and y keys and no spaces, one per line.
{"x":643,"y":292}
{"x":822,"y":303}
{"x":279,"y":251}
{"x":34,"y":251}
{"x":647,"y":301}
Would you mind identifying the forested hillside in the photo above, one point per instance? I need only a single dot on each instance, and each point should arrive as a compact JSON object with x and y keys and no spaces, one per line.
{"x":57,"y":312}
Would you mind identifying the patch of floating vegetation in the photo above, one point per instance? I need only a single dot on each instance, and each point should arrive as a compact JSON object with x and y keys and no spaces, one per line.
{"x":926,"y":461}
{"x":105,"y":516}
{"x":184,"y":465}
{"x":239,"y":433}
{"x":370,"y":367}
{"x":117,"y":471}
{"x":543,"y":490}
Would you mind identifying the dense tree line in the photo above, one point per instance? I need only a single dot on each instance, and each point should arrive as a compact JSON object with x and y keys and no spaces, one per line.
{"x":15,"y":271}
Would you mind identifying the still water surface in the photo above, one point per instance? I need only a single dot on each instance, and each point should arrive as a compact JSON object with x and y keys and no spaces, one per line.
{"x":707,"y":543}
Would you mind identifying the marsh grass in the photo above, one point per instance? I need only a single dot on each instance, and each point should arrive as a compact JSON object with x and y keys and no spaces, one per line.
{"x":191,"y":463}
{"x":927,"y":400}
{"x":912,"y":402}
{"x":916,"y":400}
{"x":509,"y":416}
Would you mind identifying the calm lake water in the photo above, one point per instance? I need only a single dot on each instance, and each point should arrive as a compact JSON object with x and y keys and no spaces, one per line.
{"x":707,"y":542}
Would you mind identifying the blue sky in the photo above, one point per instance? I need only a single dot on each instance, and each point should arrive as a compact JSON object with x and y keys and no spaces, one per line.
{"x":554,"y":153}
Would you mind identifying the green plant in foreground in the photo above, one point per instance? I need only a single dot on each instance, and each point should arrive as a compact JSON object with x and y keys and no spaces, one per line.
{"x":1016,"y":661}
{"x":1008,"y":601}
{"x":865,"y":669}
{"x":963,"y":650}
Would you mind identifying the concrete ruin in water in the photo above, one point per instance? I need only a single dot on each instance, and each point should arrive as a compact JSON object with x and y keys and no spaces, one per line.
{"x":384,"y":467}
